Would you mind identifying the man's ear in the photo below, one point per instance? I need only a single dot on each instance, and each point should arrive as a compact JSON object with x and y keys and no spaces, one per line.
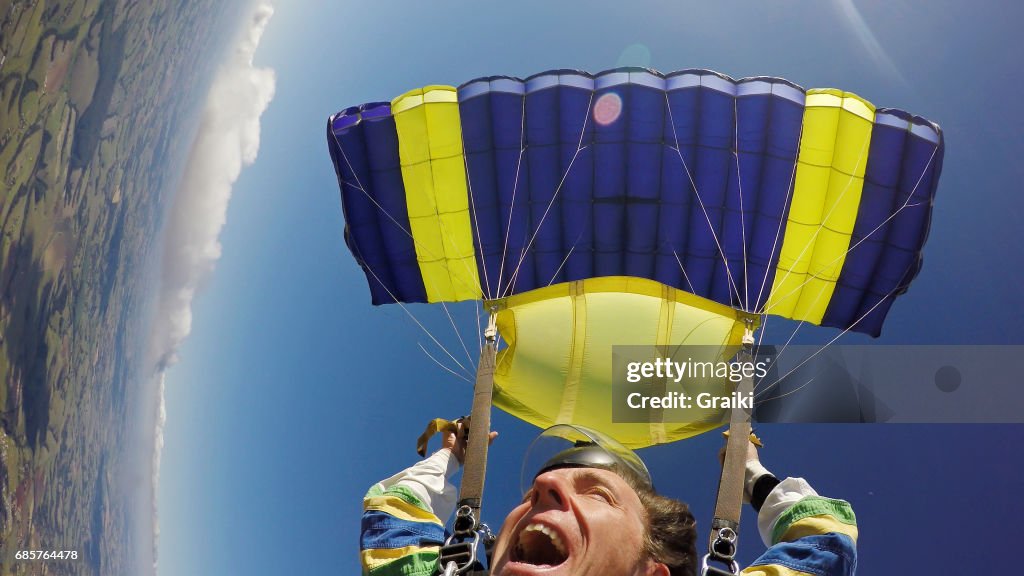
{"x":656,"y":569}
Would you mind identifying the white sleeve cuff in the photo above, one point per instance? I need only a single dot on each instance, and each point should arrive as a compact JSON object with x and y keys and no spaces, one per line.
{"x":755,"y":470}
{"x":428,"y":480}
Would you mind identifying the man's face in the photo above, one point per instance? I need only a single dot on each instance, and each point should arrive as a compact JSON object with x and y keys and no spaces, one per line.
{"x":575,"y":521}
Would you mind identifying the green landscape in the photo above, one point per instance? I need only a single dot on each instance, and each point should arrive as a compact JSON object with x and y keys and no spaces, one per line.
{"x":97,"y":108}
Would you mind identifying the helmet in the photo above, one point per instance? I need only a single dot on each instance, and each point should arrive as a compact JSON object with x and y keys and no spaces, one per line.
{"x":570,"y":446}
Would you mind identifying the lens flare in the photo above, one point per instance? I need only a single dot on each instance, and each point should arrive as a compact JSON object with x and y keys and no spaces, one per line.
{"x":607,"y":109}
{"x":635,"y":55}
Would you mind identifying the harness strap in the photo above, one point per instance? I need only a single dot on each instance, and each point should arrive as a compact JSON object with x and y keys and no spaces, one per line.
{"x":471,"y":490}
{"x":461,"y":552}
{"x":725,"y":527}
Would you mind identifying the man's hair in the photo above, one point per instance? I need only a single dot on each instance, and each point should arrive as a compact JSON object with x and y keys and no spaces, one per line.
{"x":670,"y":535}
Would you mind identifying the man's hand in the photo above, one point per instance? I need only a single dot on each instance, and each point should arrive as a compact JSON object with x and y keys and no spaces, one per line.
{"x":456,"y":441}
{"x":751,"y":454}
{"x":754,"y":470}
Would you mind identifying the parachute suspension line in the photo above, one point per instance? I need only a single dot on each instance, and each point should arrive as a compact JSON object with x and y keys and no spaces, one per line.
{"x":512,"y":207}
{"x":819,"y":351}
{"x":683,"y":270}
{"x":458,"y":333}
{"x":813,"y":238}
{"x":566,"y":259}
{"x":344,"y":182}
{"x":479,"y":329}
{"x":451,"y":320}
{"x":476,"y":225}
{"x":579,"y":148}
{"x":795,"y":330}
{"x":413,"y":316}
{"x":476,"y":221}
{"x":439,"y":363}
{"x":760,"y":337}
{"x":359,"y":186}
{"x":418,"y":245}
{"x":685,"y":338}
{"x":682,"y":341}
{"x":515,"y":273}
{"x":763,"y":327}
{"x":739,"y":184}
{"x":782,"y":221}
{"x":778,"y":354}
{"x":906,"y":204}
{"x":783,"y":395}
{"x":711,"y":228}
{"x":451,"y":240}
{"x":465,"y":262}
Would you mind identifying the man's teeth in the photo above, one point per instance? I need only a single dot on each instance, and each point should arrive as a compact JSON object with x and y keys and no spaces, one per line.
{"x":551,"y":534}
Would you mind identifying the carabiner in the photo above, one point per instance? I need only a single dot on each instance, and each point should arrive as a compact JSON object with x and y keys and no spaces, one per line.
{"x":709,"y":570}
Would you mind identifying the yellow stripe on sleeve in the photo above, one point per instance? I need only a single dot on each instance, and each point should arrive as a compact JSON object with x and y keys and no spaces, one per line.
{"x":815,"y":525}
{"x":399,"y":509}
{"x":826,"y":197}
{"x":378,"y":557}
{"x":433,"y":172}
{"x":772,"y":570}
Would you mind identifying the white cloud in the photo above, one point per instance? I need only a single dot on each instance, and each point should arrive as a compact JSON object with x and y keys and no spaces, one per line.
{"x":158,"y":450}
{"x":227,"y":140}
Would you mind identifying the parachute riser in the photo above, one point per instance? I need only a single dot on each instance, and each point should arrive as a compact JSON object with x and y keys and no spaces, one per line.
{"x":460,"y":553}
{"x":724,"y":538}
{"x":472,"y":488}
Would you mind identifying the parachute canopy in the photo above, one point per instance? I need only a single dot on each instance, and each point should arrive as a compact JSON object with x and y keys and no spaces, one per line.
{"x":754,"y":195}
{"x":506,"y":185}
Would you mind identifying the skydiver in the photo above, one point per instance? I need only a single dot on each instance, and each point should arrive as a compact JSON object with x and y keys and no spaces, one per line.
{"x":591,"y":511}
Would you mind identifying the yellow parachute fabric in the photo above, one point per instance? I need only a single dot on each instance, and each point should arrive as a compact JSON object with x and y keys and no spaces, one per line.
{"x":834,"y":145}
{"x":557,"y":366}
{"x":433,"y":169}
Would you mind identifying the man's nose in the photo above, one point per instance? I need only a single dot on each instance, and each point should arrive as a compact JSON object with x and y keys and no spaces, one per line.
{"x":551,"y":491}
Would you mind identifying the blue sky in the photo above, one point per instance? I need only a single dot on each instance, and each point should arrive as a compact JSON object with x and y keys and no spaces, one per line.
{"x":293,"y":395}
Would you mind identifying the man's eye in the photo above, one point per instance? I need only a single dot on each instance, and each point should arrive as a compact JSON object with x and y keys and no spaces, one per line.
{"x":601,"y":494}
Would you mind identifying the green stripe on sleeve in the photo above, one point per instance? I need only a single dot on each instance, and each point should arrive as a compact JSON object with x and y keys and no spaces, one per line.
{"x":813,"y":506}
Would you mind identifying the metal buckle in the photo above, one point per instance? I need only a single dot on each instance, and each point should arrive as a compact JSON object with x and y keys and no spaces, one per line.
{"x":708,"y":570}
{"x":461,"y":551}
{"x":465,"y":523}
{"x":457,"y":557}
{"x":723,"y":550}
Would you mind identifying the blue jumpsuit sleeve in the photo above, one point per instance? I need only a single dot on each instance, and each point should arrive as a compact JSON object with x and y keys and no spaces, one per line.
{"x":403,"y":519}
{"x":807,"y":534}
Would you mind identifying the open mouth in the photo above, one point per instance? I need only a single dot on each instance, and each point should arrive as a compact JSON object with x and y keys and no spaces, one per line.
{"x":540,"y":546}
